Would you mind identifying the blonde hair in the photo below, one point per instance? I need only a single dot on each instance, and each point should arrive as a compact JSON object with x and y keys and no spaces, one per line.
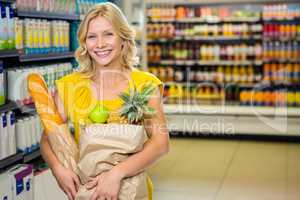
{"x":115,"y":16}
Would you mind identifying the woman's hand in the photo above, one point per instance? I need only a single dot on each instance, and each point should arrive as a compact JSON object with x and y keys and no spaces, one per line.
{"x":67,"y":180}
{"x":107,"y":186}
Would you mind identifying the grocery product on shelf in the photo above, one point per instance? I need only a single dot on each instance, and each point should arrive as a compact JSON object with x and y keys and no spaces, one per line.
{"x":266,"y":95}
{"x":2,"y":85}
{"x":281,"y":11}
{"x":203,"y":31}
{"x":51,"y":6}
{"x":278,"y":50}
{"x":282,"y":72}
{"x":166,"y":12}
{"x":43,"y":36}
{"x":6,"y":27}
{"x":281,"y":31}
{"x":28,"y":133}
{"x":7,"y":135}
{"x":226,"y":74}
{"x":163,"y":13}
{"x":204,"y":52}
{"x":235,"y":47}
{"x":84,"y":6}
{"x":193,"y":93}
{"x":17,"y":80}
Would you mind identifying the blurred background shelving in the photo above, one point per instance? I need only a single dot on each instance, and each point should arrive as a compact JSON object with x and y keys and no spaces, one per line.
{"x":233,"y":55}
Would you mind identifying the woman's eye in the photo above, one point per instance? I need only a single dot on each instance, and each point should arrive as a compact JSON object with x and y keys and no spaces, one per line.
{"x":91,"y":37}
{"x":108,"y":34}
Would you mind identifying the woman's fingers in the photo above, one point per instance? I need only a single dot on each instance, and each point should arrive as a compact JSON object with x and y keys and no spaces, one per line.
{"x":94,"y":195}
{"x":114,"y":198}
{"x":73,"y":191}
{"x":91,"y":184}
{"x":69,"y":195}
{"x":77,"y":181}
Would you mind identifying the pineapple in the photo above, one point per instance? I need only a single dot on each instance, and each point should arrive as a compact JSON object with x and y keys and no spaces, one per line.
{"x":114,"y":117}
{"x":135,"y":106}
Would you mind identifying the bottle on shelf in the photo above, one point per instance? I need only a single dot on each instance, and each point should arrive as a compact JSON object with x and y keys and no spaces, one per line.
{"x":2,"y":85}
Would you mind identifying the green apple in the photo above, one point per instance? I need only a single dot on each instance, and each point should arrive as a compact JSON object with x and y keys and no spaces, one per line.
{"x":99,"y":114}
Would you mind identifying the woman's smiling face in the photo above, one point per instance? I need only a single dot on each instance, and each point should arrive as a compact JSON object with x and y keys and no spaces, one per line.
{"x":103,"y":43}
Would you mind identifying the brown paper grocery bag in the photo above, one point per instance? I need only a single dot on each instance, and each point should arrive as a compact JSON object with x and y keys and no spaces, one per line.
{"x":103,"y":146}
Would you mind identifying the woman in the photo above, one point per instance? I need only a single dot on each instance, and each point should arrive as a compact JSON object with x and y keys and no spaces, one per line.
{"x":106,"y":56}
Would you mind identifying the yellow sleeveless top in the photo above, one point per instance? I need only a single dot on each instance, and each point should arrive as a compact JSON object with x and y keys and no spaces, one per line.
{"x":75,"y":92}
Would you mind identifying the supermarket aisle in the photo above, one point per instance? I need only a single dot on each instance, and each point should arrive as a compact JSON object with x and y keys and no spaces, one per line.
{"x":202,"y":169}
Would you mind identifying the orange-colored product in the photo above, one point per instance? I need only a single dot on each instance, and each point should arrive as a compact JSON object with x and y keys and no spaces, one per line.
{"x":150,"y":31}
{"x":266,"y":72}
{"x":282,"y":30}
{"x":288,"y":30}
{"x":242,"y":97}
{"x":296,"y":77}
{"x":282,"y":98}
{"x":274,"y":97}
{"x":180,"y":12}
{"x":280,"y":72}
{"x":267,"y":96}
{"x":274,"y":69}
{"x":61,"y":140}
{"x":258,"y":98}
{"x":245,"y":97}
{"x":293,"y":30}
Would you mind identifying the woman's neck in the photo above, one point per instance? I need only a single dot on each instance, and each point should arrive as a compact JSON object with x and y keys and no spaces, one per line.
{"x":111,"y":74}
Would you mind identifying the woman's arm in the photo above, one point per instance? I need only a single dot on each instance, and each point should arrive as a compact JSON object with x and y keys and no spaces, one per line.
{"x":66,"y":179}
{"x":108,"y":183}
{"x":154,"y":148}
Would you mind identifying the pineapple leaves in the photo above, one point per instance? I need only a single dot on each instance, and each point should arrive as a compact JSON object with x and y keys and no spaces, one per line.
{"x":135,"y":103}
{"x":125,"y":97}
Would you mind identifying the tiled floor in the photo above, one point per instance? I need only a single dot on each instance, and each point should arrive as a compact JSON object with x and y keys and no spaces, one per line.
{"x":202,"y":169}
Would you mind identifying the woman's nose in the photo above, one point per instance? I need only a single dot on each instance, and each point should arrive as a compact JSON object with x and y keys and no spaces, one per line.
{"x":101,"y":43}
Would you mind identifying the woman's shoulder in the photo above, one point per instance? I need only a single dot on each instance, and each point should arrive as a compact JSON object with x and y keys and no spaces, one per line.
{"x":144,"y":76}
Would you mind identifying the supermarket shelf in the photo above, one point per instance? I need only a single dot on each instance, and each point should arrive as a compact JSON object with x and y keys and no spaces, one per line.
{"x":7,"y":1}
{"x":19,"y":157}
{"x":282,"y":60}
{"x":214,"y":2}
{"x":10,"y":160}
{"x":207,"y":20}
{"x":207,"y":63}
{"x":31,"y":156}
{"x":8,"y":53}
{"x":281,"y":20}
{"x":10,"y":105}
{"x":161,"y":20}
{"x":282,"y":39}
{"x":231,"y":110}
{"x":217,"y":20}
{"x":191,"y":84}
{"x":205,"y":38}
{"x":43,"y":57}
{"x":46,"y":15}
{"x":225,"y":62}
{"x":27,"y":108}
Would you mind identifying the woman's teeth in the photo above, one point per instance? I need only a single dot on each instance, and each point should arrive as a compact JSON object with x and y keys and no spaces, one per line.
{"x":103,"y":53}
